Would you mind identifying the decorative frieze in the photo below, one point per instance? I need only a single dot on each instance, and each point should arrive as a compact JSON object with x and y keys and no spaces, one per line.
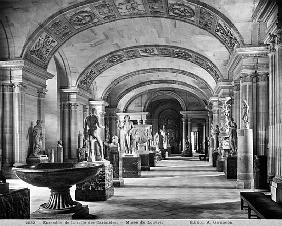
{"x":60,"y":27}
{"x":103,"y":63}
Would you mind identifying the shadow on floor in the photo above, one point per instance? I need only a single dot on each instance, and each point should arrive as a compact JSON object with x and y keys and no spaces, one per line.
{"x":159,"y":209}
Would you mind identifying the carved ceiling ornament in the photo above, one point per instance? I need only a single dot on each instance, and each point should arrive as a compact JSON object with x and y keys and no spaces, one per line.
{"x":105,"y":62}
{"x":125,"y":92}
{"x":61,"y":26}
{"x":108,"y":90}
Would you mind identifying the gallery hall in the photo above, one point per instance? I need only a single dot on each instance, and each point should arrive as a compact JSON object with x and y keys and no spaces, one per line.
{"x":140,"y":109}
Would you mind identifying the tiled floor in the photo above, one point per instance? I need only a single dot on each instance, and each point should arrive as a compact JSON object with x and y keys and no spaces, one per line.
{"x":178,"y":188}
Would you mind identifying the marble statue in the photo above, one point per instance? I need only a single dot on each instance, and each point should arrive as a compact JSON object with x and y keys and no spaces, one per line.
{"x":37,"y":139}
{"x":164,"y":135}
{"x":233,"y":136}
{"x":115,"y":142}
{"x":91,"y":124}
{"x":245,"y":114}
{"x":126,"y":127}
{"x":156,"y":140}
{"x":216,"y":136}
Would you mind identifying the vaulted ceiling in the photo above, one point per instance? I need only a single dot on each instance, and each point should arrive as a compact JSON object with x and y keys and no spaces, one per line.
{"x":117,"y":49}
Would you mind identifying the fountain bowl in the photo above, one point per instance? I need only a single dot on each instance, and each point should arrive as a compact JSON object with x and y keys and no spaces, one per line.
{"x":53,"y":175}
{"x":58,"y":177}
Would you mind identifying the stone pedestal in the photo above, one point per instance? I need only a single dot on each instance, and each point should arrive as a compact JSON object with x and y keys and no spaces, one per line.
{"x":37,"y":159}
{"x":245,"y":178}
{"x":220,"y":164}
{"x":99,"y":188}
{"x":260,"y":172}
{"x":276,"y":190}
{"x":4,"y":188}
{"x":152,"y":159}
{"x":131,"y":166}
{"x":214,"y":158}
{"x":15,"y":204}
{"x":145,"y":163}
{"x":163,"y":153}
{"x":116,"y":161}
{"x":230,"y":167}
{"x":83,"y":213}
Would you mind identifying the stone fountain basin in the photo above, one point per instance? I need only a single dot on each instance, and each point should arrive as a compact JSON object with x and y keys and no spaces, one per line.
{"x":56,"y":175}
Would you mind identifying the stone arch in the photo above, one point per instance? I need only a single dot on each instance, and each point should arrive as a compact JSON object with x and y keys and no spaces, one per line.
{"x":105,"y":62}
{"x":124,"y":101}
{"x":166,"y":93}
{"x":62,"y":25}
{"x":107,"y":91}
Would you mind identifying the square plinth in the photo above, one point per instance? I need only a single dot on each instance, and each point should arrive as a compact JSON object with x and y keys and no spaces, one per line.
{"x":276,"y":190}
{"x":98,"y":188}
{"x":145,"y":163}
{"x":230,"y":167}
{"x":15,"y":204}
{"x":116,"y":161}
{"x":220,"y":164}
{"x":152,"y":159}
{"x":131,"y":166}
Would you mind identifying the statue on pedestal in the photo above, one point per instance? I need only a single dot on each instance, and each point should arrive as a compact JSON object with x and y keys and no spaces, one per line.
{"x":37,"y":139}
{"x":125,"y":134}
{"x":95,"y":145}
{"x":233,"y":136}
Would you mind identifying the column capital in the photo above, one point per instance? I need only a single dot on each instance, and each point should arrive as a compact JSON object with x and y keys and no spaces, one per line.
{"x":98,"y":103}
{"x":41,"y":92}
{"x":262,"y":77}
{"x":236,"y":85}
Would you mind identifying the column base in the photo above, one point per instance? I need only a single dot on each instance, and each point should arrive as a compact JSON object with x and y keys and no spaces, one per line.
{"x":245,"y":184}
{"x":276,"y":190}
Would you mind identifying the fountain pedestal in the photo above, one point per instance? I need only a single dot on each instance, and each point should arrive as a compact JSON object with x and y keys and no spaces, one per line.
{"x":97,"y":188}
{"x":31,"y":160}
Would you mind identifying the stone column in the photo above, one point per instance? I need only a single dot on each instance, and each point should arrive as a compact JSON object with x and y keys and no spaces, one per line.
{"x":245,"y":178}
{"x":41,"y":112}
{"x":65,"y":131}
{"x":16,"y":123}
{"x":236,"y":108}
{"x":7,"y":129}
{"x":183,"y":133}
{"x":246,"y":93}
{"x":262,"y":113}
{"x":272,"y":108}
{"x":100,"y":109}
{"x":73,"y":131}
{"x":189,"y":129}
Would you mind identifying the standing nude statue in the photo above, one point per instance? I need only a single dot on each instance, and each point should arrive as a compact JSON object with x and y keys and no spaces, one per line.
{"x":91,"y":124}
{"x":125,"y":133}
